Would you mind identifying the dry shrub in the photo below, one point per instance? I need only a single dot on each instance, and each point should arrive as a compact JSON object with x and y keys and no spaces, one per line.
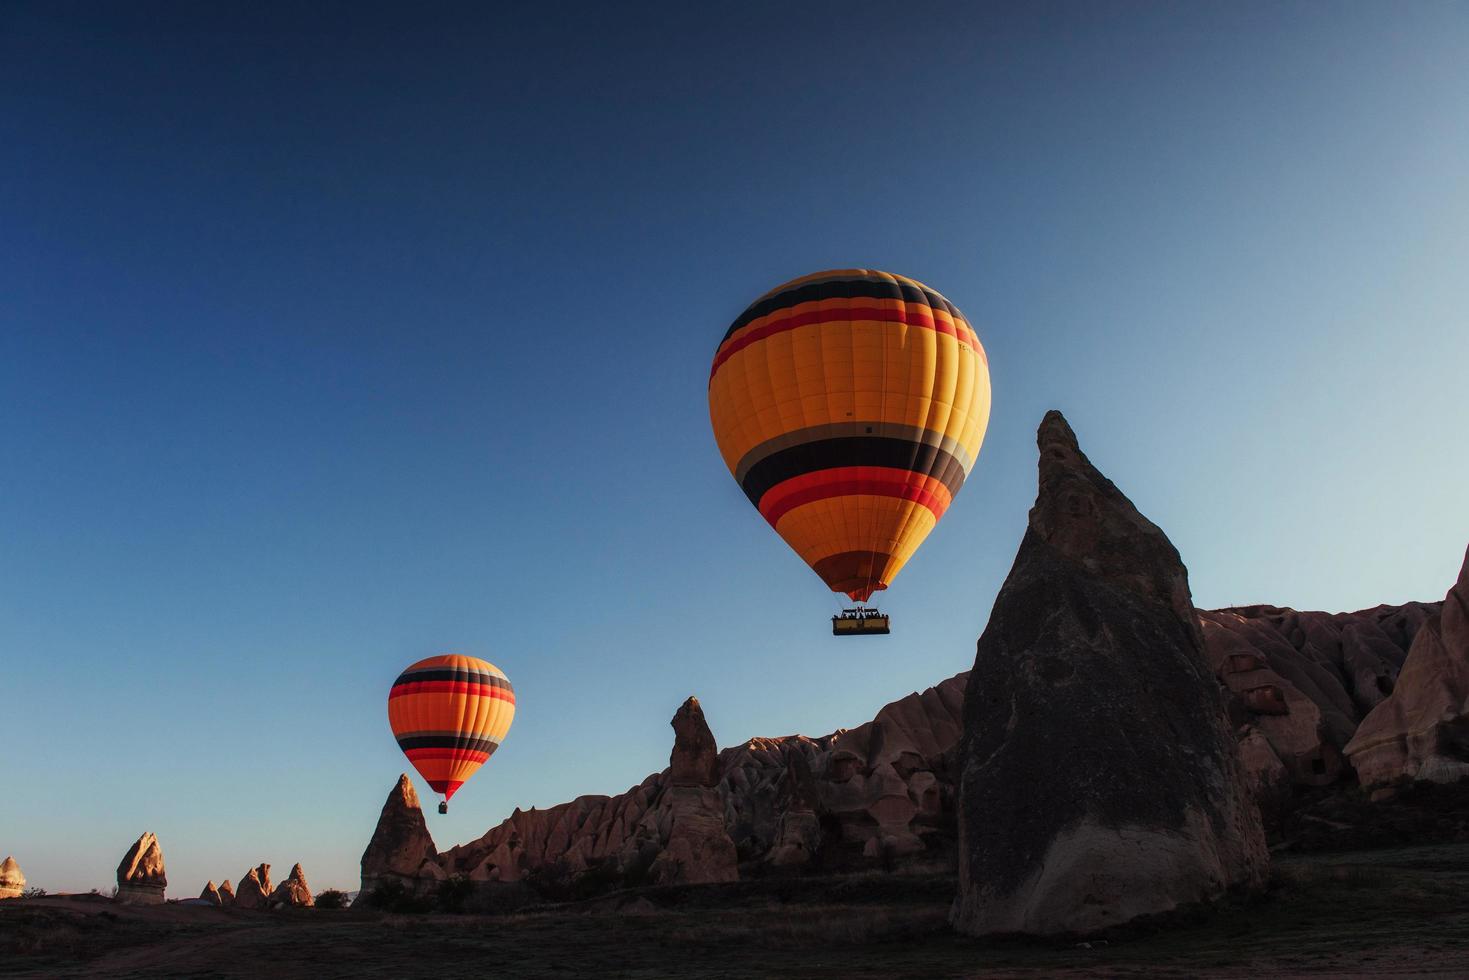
{"x":332,"y":898}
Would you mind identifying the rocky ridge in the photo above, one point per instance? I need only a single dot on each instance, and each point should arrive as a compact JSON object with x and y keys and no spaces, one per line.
{"x":885,"y":790}
{"x":875,"y":792}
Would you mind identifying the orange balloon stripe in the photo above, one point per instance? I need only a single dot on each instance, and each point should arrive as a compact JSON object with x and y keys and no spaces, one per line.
{"x":449,"y":713}
{"x":877,"y":481}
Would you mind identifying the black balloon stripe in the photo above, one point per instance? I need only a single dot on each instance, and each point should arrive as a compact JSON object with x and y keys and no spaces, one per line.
{"x":456,"y":674}
{"x":472,"y":743}
{"x":826,"y":454}
{"x":850,"y":429}
{"x":862,"y":288}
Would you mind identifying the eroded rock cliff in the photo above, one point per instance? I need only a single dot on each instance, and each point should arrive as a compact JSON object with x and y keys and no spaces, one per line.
{"x":1421,"y":730}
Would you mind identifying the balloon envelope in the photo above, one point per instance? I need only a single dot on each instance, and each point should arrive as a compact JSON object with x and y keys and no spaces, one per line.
{"x":449,"y":715}
{"x":850,"y":406}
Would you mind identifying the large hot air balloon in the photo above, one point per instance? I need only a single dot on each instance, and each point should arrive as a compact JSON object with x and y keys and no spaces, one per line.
{"x":850,"y":405}
{"x":449,"y":715}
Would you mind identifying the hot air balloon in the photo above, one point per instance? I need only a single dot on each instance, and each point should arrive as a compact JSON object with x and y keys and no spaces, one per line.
{"x":850,"y":406}
{"x":449,"y":715}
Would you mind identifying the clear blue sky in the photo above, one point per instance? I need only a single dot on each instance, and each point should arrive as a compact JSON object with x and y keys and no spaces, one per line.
{"x":332,"y":338}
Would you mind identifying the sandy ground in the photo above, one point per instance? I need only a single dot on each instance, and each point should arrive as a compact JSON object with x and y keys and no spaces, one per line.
{"x":1398,"y":913}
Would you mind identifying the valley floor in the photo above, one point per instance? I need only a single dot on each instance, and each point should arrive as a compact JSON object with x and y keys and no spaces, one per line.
{"x":1401,"y":912}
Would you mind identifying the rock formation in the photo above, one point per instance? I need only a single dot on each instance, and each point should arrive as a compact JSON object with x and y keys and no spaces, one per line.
{"x":12,"y":882}
{"x":254,"y":891}
{"x":1301,"y":682}
{"x":694,"y":760}
{"x":226,"y":893}
{"x":885,"y":791}
{"x":1100,"y":779}
{"x":1303,"y":731}
{"x":798,"y":827}
{"x":1343,"y":663}
{"x":877,"y":790}
{"x":140,"y":877}
{"x":211,"y":894}
{"x":1421,"y":730}
{"x":293,"y":892}
{"x":694,"y":848}
{"x":1267,"y":776}
{"x":401,"y":848}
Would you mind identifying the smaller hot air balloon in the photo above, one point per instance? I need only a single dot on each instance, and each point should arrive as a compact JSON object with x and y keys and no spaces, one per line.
{"x":449,"y":715}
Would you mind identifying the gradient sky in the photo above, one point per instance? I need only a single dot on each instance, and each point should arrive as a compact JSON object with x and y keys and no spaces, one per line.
{"x":332,"y":337}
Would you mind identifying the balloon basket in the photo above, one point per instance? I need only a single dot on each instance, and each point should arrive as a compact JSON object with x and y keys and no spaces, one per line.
{"x":860,"y":622}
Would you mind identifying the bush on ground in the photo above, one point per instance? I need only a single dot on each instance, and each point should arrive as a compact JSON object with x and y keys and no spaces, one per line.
{"x":332,"y":898}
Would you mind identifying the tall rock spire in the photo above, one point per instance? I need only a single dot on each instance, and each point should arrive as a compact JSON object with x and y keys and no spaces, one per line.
{"x":1099,"y":780}
{"x":401,"y":847}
